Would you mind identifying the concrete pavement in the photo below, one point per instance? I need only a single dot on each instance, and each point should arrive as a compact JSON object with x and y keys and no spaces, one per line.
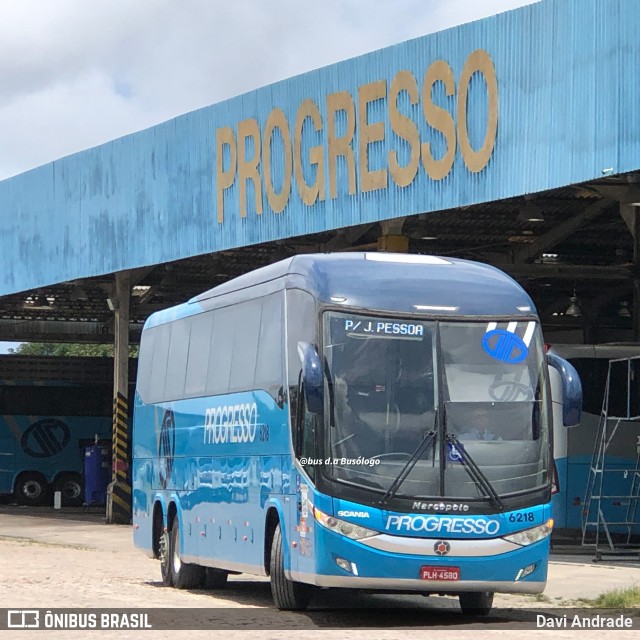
{"x":571,"y":575}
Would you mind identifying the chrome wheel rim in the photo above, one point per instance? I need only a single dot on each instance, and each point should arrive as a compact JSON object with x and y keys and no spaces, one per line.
{"x":177,"y":563}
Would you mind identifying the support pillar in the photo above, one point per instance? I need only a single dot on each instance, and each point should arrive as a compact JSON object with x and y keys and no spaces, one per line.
{"x":119,"y":491}
{"x":392,"y":240}
{"x":635,"y":311}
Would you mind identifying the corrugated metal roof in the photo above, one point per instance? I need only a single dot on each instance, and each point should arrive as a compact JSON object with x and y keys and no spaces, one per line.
{"x":568,"y":105}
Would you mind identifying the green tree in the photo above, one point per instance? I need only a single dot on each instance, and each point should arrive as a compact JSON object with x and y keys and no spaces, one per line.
{"x":67,"y":350}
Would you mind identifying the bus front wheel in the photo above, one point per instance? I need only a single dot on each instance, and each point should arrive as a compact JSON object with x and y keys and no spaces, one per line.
{"x":215,"y":578}
{"x":31,"y":489}
{"x":183,"y":575}
{"x":476,"y":603}
{"x":287,"y":595}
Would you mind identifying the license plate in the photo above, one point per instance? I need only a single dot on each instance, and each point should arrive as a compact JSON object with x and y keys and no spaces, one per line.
{"x":439,"y":573}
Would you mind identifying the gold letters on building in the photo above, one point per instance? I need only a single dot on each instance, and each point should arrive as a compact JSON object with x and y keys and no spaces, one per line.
{"x":247,"y":156}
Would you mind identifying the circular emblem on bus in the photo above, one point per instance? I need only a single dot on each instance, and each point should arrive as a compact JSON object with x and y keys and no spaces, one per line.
{"x":166,"y":447}
{"x":504,"y":346}
{"x":45,"y":438}
{"x":442,"y":548}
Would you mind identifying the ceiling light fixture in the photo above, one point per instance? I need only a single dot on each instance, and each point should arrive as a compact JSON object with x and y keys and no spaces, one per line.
{"x":530,"y":213}
{"x":623,"y":310}
{"x":574,"y":309}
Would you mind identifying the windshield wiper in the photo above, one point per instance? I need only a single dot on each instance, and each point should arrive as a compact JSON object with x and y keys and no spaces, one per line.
{"x":475,"y":472}
{"x":411,"y":462}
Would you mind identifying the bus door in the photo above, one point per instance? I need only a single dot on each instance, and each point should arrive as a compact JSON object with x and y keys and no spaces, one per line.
{"x":301,"y":527}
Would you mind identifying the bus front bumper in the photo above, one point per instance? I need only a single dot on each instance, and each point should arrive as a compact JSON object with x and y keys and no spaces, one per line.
{"x":430,"y":586}
{"x":398,"y":563}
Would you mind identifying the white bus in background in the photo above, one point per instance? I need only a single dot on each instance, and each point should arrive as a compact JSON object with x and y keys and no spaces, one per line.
{"x":574,"y":446}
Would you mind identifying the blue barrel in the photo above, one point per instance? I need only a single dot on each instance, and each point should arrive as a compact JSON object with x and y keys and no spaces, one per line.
{"x":97,"y":474}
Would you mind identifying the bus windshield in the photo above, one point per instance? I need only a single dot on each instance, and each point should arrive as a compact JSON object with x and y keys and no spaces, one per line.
{"x":479,"y":386}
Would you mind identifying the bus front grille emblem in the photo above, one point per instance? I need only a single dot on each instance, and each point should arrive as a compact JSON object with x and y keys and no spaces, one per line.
{"x":442,"y":548}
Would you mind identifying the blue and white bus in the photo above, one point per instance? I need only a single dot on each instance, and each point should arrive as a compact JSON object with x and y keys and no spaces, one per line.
{"x":365,"y":420}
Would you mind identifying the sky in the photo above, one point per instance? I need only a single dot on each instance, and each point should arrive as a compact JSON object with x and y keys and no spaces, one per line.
{"x":77,"y":73}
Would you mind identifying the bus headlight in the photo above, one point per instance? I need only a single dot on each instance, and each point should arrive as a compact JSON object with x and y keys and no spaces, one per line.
{"x":344,"y":528}
{"x":529,"y":536}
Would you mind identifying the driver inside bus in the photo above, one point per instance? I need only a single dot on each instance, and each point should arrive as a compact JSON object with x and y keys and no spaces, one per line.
{"x":478,"y":429}
{"x":366,"y":426}
{"x":374,"y":417}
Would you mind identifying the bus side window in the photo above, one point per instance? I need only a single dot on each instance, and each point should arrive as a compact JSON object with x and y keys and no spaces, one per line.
{"x":145,"y":363}
{"x":198,"y":356}
{"x":219,"y":371}
{"x":180,"y":333}
{"x":160,"y":359}
{"x":301,"y":327}
{"x":269,"y":365}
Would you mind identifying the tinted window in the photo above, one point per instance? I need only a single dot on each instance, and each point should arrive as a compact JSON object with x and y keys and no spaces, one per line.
{"x":198,"y":358}
{"x":145,"y":362}
{"x":231,"y":349}
{"x":177,"y":361}
{"x":301,"y":326}
{"x":269,"y":362}
{"x":159,"y":362}
{"x":221,"y":352}
{"x":246,"y":325}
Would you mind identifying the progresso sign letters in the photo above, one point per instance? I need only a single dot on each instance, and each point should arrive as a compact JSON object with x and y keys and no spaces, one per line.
{"x":247,"y":153}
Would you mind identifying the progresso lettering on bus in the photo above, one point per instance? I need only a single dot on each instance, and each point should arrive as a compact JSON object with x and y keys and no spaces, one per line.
{"x":231,"y":423}
{"x":439,"y":524}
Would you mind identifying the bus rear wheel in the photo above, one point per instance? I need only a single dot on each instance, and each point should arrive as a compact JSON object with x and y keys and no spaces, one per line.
{"x":31,"y":489}
{"x":287,"y":595}
{"x":476,"y":603}
{"x":70,"y":486}
{"x":164,"y":555}
{"x":183,"y":575}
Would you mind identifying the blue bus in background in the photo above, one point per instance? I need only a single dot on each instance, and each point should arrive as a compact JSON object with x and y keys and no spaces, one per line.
{"x":365,"y":420}
{"x":44,"y":428}
{"x":574,"y":448}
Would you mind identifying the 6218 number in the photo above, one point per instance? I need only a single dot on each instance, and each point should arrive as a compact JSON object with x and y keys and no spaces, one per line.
{"x":527,"y":516}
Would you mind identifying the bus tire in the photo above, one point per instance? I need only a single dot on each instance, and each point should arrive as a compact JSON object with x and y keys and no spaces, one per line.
{"x":476,"y":603}
{"x":70,"y":487}
{"x":215,"y":578}
{"x":31,"y":489}
{"x":287,"y":595}
{"x":183,"y":575}
{"x":164,"y":555}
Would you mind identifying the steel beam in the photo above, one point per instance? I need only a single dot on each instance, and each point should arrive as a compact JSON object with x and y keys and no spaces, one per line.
{"x":556,"y":235}
{"x":62,"y":331}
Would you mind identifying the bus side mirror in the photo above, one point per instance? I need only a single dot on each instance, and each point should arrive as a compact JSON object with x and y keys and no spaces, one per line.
{"x":312,"y":379}
{"x":571,"y":390}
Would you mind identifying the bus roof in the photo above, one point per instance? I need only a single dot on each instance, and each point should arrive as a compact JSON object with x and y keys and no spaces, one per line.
{"x":386,"y":281}
{"x":604,"y":351}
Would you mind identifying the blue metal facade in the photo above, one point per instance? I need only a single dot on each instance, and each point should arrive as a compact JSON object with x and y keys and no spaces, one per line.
{"x":568,"y":107}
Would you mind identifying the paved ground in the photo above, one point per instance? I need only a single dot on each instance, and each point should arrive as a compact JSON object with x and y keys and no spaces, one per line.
{"x":52,"y":559}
